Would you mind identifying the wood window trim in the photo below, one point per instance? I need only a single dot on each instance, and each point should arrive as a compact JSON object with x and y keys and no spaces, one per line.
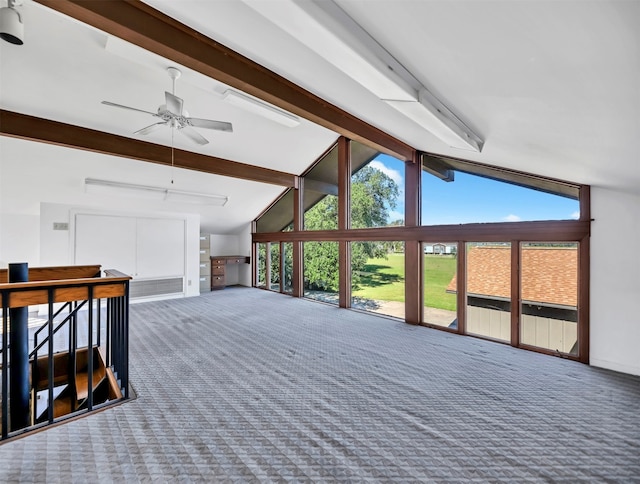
{"x":344,"y":221}
{"x":543,"y":231}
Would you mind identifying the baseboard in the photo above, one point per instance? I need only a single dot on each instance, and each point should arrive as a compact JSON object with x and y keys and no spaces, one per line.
{"x":610,"y":365}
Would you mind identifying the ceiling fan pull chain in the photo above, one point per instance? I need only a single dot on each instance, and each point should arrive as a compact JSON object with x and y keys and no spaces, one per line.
{"x":172,"y":130}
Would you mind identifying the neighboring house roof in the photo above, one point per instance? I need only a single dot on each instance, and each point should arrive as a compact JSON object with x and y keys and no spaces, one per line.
{"x":549,"y":274}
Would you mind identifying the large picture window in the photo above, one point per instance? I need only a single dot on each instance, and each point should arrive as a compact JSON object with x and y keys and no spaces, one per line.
{"x":455,"y":192}
{"x":453,"y":258}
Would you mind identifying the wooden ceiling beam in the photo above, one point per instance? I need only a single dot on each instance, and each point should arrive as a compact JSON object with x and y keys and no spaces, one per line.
{"x":142,"y":25}
{"x":22,"y":126}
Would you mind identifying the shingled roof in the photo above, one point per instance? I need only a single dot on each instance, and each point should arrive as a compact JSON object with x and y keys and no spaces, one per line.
{"x":549,"y":274}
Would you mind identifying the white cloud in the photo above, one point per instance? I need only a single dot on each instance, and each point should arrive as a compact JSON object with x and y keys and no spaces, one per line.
{"x":511,"y":218}
{"x":575,"y":215}
{"x":395,"y":215}
{"x":391,"y":173}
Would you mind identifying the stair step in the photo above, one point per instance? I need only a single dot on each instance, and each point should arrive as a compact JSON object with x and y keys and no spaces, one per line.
{"x":60,"y":368}
{"x":82,"y":382}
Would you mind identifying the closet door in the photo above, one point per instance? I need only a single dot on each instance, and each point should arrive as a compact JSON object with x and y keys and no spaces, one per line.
{"x":160,"y":248}
{"x":106,"y":240}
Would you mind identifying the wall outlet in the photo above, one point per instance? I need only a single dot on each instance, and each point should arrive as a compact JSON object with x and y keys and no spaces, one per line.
{"x":188,"y":282}
{"x":60,"y":226}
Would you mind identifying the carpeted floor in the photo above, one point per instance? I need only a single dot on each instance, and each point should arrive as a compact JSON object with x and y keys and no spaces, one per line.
{"x":244,"y":385}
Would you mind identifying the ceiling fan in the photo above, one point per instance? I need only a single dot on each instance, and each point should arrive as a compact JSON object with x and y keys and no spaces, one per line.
{"x":173,"y":115}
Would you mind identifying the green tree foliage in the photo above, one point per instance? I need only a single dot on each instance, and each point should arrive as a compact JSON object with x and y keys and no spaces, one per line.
{"x":373,"y":194}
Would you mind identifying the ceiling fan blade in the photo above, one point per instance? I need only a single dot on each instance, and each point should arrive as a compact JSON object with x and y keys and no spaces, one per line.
{"x":210,"y":124}
{"x":193,"y":135}
{"x":151,"y":128}
{"x":127,"y":107}
{"x":174,"y":103}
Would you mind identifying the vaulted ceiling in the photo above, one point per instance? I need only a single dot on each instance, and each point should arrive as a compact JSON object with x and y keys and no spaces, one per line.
{"x":553,"y":88}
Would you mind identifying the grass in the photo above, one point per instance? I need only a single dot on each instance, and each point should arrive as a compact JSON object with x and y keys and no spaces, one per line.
{"x":438,"y":272}
{"x":383,"y":279}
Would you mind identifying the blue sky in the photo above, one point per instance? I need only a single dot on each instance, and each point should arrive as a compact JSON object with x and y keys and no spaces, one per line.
{"x":475,"y":199}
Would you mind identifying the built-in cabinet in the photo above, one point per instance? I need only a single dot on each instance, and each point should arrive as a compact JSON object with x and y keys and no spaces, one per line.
{"x":219,"y":265}
{"x":218,"y":271}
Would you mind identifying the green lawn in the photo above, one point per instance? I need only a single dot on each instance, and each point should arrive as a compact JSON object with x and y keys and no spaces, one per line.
{"x":438,"y":272}
{"x":383,"y":279}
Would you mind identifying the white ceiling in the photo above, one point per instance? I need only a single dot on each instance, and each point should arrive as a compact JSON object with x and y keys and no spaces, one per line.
{"x":552,"y":87}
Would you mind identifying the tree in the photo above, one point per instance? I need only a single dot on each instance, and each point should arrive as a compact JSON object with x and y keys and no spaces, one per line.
{"x":373,"y":194}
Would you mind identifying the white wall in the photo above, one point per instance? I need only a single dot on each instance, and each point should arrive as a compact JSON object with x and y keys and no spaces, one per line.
{"x":224,"y":245}
{"x":615,"y":280}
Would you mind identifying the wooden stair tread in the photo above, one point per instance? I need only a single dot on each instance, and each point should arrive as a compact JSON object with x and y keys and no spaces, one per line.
{"x":61,"y":406}
{"x":60,"y":365}
{"x":82,"y":382}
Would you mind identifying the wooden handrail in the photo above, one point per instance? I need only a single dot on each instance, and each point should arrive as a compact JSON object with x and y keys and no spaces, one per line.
{"x":56,"y":272}
{"x":21,"y":294}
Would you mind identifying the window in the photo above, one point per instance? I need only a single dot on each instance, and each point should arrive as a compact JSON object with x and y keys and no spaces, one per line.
{"x":279,"y":216}
{"x":377,"y":188}
{"x":287,"y":267}
{"x":489,"y":290}
{"x":549,"y":296}
{"x":377,"y":277}
{"x":439,"y":263}
{"x":321,"y":194}
{"x":261,"y":266}
{"x":275,"y":267}
{"x":321,"y":271}
{"x":455,"y":192}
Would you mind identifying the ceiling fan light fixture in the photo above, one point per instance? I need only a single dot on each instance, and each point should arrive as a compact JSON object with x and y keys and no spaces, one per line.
{"x":11,"y":26}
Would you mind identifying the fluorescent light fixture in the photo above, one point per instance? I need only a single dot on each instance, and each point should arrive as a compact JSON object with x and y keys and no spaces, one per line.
{"x":260,"y":108}
{"x":442,"y":123}
{"x":93,"y":185}
{"x":327,"y":30}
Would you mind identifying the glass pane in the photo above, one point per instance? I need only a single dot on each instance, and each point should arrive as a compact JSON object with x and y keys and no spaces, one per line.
{"x":549,"y":295}
{"x":377,"y":188}
{"x":489,"y":290}
{"x":321,"y":271}
{"x":261,"y":275}
{"x":440,"y":285}
{"x":461,"y":197}
{"x":287,"y":255}
{"x":275,"y":267}
{"x":377,"y":277}
{"x":321,"y":194}
{"x":279,"y":218}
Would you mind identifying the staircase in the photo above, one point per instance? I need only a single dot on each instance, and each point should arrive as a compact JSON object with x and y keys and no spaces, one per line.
{"x":70,"y":394}
{"x":77,"y":360}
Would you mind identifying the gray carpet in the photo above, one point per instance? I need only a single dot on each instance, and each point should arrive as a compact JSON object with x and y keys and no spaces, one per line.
{"x":243,"y":385}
